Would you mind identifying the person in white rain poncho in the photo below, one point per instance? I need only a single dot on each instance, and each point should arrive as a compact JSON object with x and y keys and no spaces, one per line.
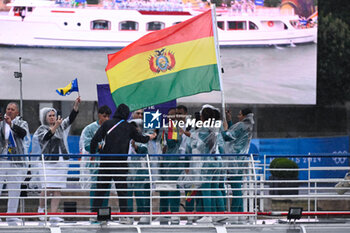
{"x":51,"y":138}
{"x":237,"y":141}
{"x":14,"y":139}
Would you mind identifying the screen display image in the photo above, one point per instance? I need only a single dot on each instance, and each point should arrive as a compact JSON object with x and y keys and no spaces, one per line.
{"x":261,"y":65}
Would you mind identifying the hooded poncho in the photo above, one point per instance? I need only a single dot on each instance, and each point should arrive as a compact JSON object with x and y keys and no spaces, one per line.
{"x":57,"y":144}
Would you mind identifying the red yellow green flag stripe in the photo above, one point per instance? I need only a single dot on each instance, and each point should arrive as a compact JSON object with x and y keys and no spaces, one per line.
{"x":164,"y":65}
{"x":172,"y":131}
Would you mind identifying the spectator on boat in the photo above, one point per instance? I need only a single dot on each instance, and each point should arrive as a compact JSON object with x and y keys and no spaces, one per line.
{"x":238,"y":7}
{"x":139,"y":174}
{"x":136,"y":115}
{"x":191,"y":185}
{"x":171,"y":140}
{"x":117,"y":133}
{"x":201,"y":5}
{"x":221,"y":171}
{"x":22,"y":12}
{"x":87,"y":134}
{"x":14,"y":139}
{"x":66,"y":3}
{"x":204,"y":140}
{"x":51,"y":138}
{"x":237,"y":138}
{"x":189,"y":4}
{"x":233,"y":8}
{"x":181,"y":115}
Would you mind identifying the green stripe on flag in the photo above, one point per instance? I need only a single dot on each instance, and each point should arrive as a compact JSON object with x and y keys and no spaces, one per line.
{"x":168,"y":87}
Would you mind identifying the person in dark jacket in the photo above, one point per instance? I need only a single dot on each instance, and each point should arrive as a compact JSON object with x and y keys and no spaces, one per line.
{"x":117,"y":134}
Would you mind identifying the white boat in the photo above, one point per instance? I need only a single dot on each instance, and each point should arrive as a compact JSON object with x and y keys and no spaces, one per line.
{"x":47,"y":24}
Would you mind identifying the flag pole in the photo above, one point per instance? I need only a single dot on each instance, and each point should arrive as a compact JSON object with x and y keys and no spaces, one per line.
{"x":78,"y":88}
{"x":218,"y":60}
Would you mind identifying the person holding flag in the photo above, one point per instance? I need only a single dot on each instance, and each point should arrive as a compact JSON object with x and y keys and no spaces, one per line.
{"x":237,"y":139}
{"x":51,"y":138}
{"x":14,"y":140}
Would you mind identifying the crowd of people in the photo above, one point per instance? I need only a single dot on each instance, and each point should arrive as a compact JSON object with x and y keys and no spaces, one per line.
{"x":156,"y":5}
{"x":242,"y":6}
{"x":124,"y":142}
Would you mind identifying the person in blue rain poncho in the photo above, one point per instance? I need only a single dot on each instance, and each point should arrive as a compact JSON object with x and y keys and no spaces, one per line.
{"x":237,"y":141}
{"x":51,"y":138}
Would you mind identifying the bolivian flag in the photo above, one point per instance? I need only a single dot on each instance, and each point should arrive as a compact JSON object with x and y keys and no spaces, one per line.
{"x":161,"y":66}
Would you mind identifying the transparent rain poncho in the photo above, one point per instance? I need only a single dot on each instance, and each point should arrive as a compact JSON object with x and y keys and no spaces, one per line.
{"x":22,"y":145}
{"x":87,"y":165}
{"x":203,"y":141}
{"x":57,"y":143}
{"x":170,"y":146}
{"x":86,"y":136}
{"x":138,"y":164}
{"x":237,"y":141}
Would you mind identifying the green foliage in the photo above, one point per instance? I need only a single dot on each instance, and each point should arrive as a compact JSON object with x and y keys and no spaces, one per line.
{"x":339,"y":8}
{"x":217,"y":2}
{"x":272,"y":3}
{"x":333,"y":86}
{"x":92,"y":1}
{"x":284,"y":163}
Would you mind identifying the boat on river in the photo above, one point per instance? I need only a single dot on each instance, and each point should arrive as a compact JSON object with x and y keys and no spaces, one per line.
{"x":51,"y":24}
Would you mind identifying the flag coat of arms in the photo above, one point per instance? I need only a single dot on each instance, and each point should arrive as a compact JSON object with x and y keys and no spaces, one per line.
{"x":163,"y":65}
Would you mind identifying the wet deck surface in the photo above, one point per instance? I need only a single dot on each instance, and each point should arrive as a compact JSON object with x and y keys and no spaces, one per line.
{"x":267,"y":225}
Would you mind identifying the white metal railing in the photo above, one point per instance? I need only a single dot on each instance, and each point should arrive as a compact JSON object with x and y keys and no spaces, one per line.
{"x":202,"y":176}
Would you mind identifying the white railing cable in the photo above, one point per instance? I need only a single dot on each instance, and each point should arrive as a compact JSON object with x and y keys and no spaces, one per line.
{"x":150,"y":186}
{"x":255,"y":186}
{"x":45,"y":187}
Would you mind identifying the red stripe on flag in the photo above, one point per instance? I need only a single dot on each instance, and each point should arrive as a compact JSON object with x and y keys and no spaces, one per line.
{"x":170,"y":130}
{"x":194,"y":28}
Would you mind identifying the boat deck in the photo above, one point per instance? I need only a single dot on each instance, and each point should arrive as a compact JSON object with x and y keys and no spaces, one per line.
{"x":271,"y":225}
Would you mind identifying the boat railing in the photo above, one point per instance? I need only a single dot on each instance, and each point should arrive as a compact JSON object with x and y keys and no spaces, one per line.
{"x":189,"y":185}
{"x":159,"y":6}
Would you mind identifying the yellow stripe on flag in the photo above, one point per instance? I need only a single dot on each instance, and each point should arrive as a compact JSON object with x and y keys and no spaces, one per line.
{"x":187,"y":55}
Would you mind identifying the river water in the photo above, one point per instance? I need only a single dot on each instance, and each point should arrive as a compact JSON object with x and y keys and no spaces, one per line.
{"x":276,"y":75}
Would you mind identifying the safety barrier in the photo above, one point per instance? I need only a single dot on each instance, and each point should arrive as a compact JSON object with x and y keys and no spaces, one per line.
{"x":170,"y":187}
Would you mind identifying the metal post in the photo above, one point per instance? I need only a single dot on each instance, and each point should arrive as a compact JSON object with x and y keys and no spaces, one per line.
{"x":20,"y":87}
{"x":151,"y":188}
{"x":19,"y":75}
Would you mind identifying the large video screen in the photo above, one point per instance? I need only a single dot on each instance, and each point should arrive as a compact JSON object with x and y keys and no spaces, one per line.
{"x":267,"y":52}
